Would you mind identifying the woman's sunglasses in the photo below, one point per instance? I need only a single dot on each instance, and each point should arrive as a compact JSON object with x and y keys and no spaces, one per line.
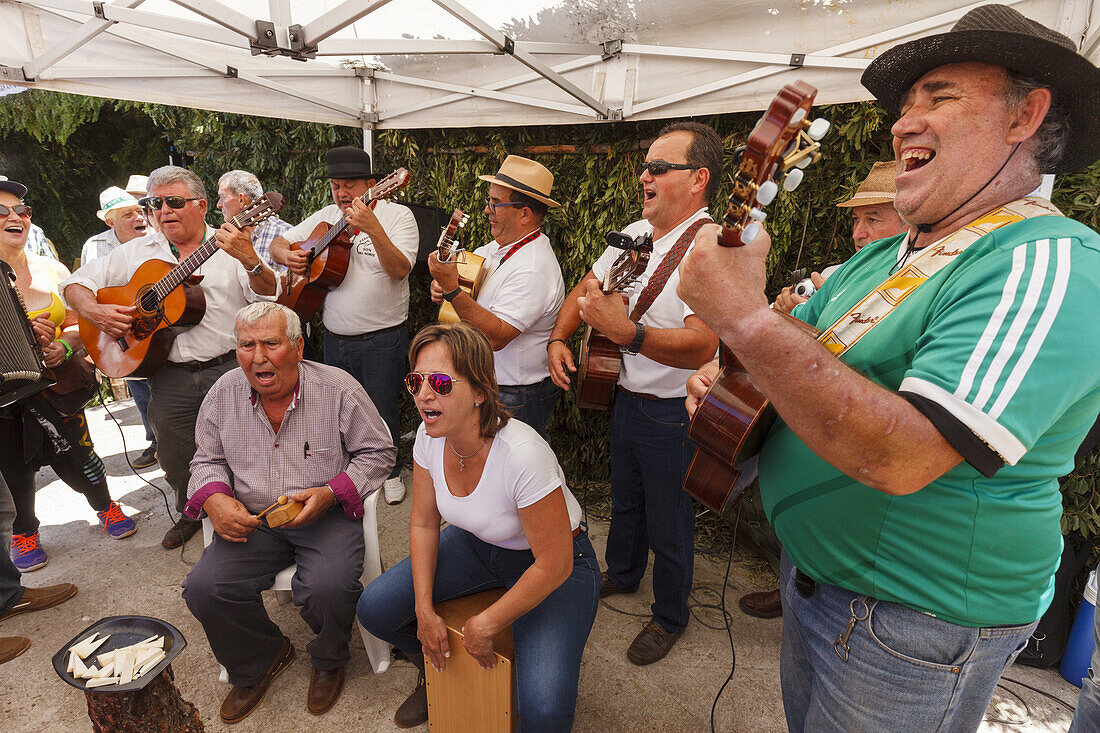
{"x":661,"y":167}
{"x":439,"y":382}
{"x":20,"y":210}
{"x":155,"y":202}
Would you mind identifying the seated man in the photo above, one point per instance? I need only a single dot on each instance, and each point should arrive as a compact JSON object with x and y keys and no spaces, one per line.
{"x":276,"y":426}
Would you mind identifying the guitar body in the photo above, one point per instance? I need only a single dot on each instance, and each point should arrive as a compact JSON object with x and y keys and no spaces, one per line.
{"x":145,"y":348}
{"x":471,"y":276}
{"x":598,"y":371}
{"x":304,"y":295}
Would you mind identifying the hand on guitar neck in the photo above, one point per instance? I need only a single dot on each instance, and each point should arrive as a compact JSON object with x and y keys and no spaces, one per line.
{"x":606,"y":313}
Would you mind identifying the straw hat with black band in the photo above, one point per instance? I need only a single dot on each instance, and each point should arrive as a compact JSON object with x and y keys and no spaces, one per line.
{"x":879,"y":187}
{"x":527,"y":177}
{"x":1001,"y":36}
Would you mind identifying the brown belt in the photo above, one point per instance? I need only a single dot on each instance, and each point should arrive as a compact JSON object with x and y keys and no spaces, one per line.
{"x":576,"y":533}
{"x":642,"y":395}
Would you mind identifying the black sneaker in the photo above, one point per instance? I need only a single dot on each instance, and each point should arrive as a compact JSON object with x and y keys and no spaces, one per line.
{"x":651,"y":644}
{"x":146,"y":459}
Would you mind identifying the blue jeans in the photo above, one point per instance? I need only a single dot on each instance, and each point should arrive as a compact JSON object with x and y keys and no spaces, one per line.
{"x":11,"y":587}
{"x":377,"y":361}
{"x":650,"y":453}
{"x":139,"y":390}
{"x":549,"y":639}
{"x":531,"y":403}
{"x":905,"y":671}
{"x":1087,"y":717}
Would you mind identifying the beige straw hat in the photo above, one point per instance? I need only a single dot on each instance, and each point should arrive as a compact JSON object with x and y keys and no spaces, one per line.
{"x":878,"y":187}
{"x":525,"y":176}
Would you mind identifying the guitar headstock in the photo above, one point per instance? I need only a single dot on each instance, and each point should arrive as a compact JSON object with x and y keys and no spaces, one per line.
{"x":783,"y":141}
{"x":388,"y":185}
{"x":630,"y":265}
{"x":445,"y":247}
{"x":270,"y":204}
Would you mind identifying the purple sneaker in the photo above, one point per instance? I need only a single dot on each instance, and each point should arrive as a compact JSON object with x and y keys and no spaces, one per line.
{"x":115,"y":522}
{"x":26,"y":553}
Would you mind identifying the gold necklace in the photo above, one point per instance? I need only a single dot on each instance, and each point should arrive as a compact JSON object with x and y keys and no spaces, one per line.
{"x":462,"y":458}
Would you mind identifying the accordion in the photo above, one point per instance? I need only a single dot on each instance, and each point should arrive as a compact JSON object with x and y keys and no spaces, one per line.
{"x":22,"y":371}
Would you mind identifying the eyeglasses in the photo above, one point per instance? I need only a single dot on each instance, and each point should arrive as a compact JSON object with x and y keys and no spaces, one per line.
{"x":661,"y":167}
{"x":493,"y":206}
{"x":154,"y":203}
{"x":20,"y":210}
{"x":439,"y":382}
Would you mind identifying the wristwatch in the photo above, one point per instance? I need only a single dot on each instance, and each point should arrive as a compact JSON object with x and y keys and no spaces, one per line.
{"x":451,"y":294}
{"x":257,"y":269}
{"x":639,"y":336}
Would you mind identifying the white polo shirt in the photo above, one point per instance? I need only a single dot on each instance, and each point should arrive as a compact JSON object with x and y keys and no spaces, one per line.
{"x":640,"y":373}
{"x":368,"y":299}
{"x":526,"y":292}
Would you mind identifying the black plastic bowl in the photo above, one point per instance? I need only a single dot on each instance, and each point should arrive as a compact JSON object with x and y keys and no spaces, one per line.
{"x":124,"y":631}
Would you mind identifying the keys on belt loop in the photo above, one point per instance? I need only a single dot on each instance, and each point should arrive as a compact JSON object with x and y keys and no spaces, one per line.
{"x":840,"y":646}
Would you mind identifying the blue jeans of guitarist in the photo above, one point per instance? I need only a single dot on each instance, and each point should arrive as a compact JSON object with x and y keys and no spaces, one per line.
{"x":650,"y":453}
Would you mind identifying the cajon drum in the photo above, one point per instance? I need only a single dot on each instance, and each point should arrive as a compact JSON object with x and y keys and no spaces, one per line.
{"x":464,"y":698}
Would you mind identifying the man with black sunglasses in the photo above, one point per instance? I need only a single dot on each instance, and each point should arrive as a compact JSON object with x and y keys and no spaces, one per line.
{"x":231,"y":279}
{"x":522,"y":291}
{"x":663,"y":341}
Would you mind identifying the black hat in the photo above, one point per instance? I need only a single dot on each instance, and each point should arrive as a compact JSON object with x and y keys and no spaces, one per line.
{"x":13,"y":187}
{"x":348,"y":161}
{"x":999,"y":35}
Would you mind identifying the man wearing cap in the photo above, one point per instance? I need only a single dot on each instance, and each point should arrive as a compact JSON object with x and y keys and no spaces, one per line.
{"x":231,"y":278}
{"x":663,"y":341}
{"x":364,"y":316}
{"x":522,"y":292}
{"x":913,"y":479}
{"x":237,"y":190}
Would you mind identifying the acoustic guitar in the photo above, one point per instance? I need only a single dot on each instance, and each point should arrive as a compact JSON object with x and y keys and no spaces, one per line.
{"x":732,"y":420}
{"x":471,"y":267}
{"x":600,"y":357}
{"x":329,"y":248}
{"x":167,"y":299}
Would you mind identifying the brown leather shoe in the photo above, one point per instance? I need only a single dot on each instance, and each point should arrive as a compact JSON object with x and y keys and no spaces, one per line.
{"x":243,"y":700}
{"x":37,"y":599}
{"x":180,"y":532}
{"x":765,"y":604}
{"x":414,"y":711}
{"x":608,"y":587}
{"x":325,"y":686}
{"x":12,"y":646}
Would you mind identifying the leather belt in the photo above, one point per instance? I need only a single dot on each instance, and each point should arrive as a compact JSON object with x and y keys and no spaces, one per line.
{"x":576,"y":533}
{"x":367,"y":335}
{"x":198,"y":366}
{"x":642,"y":395}
{"x":516,"y":388}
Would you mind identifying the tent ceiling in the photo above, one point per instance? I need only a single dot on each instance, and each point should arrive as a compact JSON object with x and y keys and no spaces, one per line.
{"x":446,"y":63}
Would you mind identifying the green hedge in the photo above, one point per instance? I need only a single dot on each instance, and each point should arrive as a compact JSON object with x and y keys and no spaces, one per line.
{"x":67,"y":148}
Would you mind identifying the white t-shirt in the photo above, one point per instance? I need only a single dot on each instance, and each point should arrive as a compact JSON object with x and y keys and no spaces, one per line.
{"x":640,"y":373}
{"x":519,"y":470}
{"x":368,"y":299}
{"x":526,"y":292}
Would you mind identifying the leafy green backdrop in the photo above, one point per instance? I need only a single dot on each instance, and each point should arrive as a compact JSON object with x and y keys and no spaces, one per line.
{"x":67,"y":148}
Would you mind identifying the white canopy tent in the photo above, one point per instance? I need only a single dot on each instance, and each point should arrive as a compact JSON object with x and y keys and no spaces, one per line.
{"x":441,"y":63}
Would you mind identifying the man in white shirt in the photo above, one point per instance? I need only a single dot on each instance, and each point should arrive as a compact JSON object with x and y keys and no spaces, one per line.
{"x":522,"y":290}
{"x":650,"y":448}
{"x":231,"y":278}
{"x":364,"y":316}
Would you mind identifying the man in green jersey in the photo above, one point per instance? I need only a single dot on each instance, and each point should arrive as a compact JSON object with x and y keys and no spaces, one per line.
{"x":912,"y":475}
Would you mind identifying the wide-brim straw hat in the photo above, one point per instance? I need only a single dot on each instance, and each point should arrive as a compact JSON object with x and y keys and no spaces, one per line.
{"x":114,"y":198}
{"x":15,"y":187}
{"x":879,"y":187}
{"x":999,"y":35}
{"x":138,"y":185}
{"x":525,"y":176}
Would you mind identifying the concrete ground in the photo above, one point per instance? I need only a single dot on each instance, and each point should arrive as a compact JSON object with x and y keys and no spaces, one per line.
{"x":136,"y":576}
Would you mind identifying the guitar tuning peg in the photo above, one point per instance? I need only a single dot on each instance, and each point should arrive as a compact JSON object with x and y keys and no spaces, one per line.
{"x":750,"y":232}
{"x":804,"y":162}
{"x":757,"y":215}
{"x":797,"y":117}
{"x":792,"y":179}
{"x":818,"y":128}
{"x":766,"y":194}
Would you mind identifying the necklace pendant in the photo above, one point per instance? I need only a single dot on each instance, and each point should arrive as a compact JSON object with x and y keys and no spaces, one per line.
{"x":461,"y":465}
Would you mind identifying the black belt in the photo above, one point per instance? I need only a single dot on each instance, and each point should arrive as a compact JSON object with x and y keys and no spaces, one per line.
{"x":198,"y":366}
{"x":515,"y":389}
{"x":368,"y":334}
{"x":644,"y":396}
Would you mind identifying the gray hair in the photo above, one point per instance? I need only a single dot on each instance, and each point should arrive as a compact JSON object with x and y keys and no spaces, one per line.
{"x":238,"y":181}
{"x":252,"y":313}
{"x":1048,"y":144}
{"x":169,"y":174}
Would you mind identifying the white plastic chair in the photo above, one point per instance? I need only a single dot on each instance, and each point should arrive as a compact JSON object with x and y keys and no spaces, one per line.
{"x":378,"y":651}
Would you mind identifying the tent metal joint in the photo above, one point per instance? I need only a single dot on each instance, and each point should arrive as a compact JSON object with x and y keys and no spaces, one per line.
{"x":509,"y":46}
{"x":14,"y":73}
{"x":798,"y":60}
{"x":97,"y":7}
{"x":267,"y":42}
{"x":612,"y":49}
{"x":231,"y":72}
{"x":613,"y":115}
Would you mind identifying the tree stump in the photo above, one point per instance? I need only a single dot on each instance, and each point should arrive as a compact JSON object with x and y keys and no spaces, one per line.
{"x":156,"y":708}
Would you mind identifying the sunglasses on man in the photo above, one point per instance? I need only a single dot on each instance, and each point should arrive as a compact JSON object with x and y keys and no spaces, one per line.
{"x":154,"y":203}
{"x":661,"y":167}
{"x":20,"y":210}
{"x":439,"y":382}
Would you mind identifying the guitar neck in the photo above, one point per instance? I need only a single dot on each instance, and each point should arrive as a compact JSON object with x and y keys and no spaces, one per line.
{"x":337,"y":229}
{"x":186,"y":268}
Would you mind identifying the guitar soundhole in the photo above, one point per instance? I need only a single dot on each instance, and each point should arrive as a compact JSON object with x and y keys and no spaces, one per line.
{"x":149,"y":314}
{"x":147,"y":301}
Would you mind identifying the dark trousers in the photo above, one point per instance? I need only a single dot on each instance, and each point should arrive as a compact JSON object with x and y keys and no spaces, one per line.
{"x":11,"y":587}
{"x":223,"y":593}
{"x":69,"y":451}
{"x":377,"y":361}
{"x":531,"y":403}
{"x":177,"y":395}
{"x":139,"y":390}
{"x":650,"y":453}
